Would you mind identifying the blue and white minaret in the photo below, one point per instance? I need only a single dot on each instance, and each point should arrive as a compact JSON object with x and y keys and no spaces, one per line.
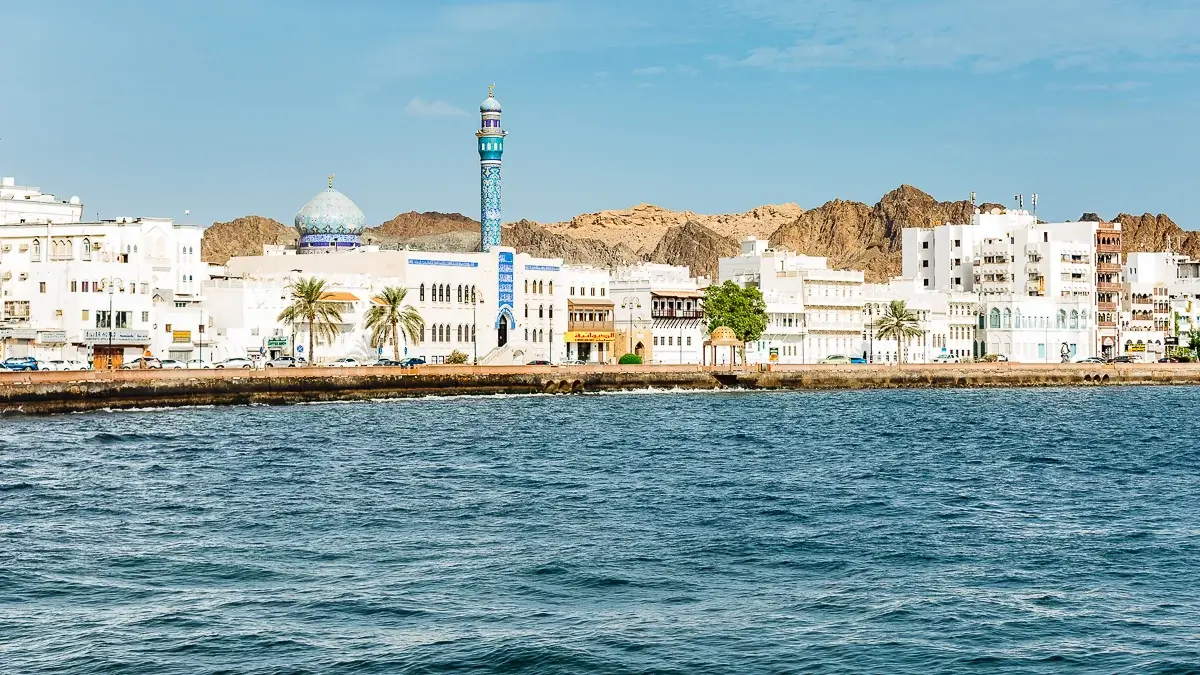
{"x":491,"y":148}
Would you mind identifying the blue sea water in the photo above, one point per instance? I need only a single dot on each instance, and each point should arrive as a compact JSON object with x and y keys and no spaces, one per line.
{"x":1034,"y":531}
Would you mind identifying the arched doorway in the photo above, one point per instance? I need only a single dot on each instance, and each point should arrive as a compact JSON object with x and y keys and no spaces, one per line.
{"x":502,"y":333}
{"x":640,"y":350}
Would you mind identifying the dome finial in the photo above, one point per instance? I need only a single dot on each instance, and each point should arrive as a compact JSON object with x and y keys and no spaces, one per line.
{"x":331,"y":181}
{"x":490,"y":88}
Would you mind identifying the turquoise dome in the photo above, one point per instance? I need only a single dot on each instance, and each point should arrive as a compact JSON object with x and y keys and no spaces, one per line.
{"x":490,"y":105}
{"x":330,"y":212}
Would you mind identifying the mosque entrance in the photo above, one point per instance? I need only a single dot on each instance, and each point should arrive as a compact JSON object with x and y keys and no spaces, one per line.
{"x":502,"y":333}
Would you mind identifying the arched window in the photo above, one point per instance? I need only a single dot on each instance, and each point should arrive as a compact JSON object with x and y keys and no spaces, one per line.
{"x":527,"y":310}
{"x":527,"y":335}
{"x":551,"y":288}
{"x":35,"y":251}
{"x":593,"y":290}
{"x":1074,"y":318}
{"x":982,"y":321}
{"x":1062,"y":319}
{"x":602,"y":292}
{"x":551,"y":311}
{"x":87,"y":249}
{"x":1007,"y":318}
{"x":1083,"y":319}
{"x":1017,"y":319}
{"x":572,"y":291}
{"x":473,"y":294}
{"x":526,"y":285}
{"x":994,"y":318}
{"x":460,"y":335}
{"x":460,"y":299}
{"x":541,"y":287}
{"x":541,"y":311}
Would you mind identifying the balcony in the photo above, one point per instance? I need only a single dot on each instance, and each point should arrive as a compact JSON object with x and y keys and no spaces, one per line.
{"x":1106,"y":324}
{"x":591,"y":325}
{"x":1108,"y":248}
{"x":1106,"y":306}
{"x":1108,"y":287}
{"x":676,"y":314}
{"x":1108,"y":267}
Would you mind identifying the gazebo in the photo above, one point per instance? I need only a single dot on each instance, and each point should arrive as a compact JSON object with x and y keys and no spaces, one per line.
{"x":723,"y":336}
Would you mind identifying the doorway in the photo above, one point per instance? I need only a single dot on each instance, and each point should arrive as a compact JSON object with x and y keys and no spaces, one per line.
{"x":502,"y":333}
{"x":108,"y":358}
{"x":584,"y":350}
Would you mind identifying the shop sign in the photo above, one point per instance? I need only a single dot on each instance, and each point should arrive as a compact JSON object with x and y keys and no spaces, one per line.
{"x":119,"y":336}
{"x":18,"y":333}
{"x":52,"y":337}
{"x":1171,"y":341}
{"x":181,"y":336}
{"x":590,"y":336}
{"x":277,"y":342}
{"x":1139,"y":348}
{"x":774,"y":354}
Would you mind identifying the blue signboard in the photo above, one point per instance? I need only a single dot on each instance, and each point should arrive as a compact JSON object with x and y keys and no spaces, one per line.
{"x":505,"y":292}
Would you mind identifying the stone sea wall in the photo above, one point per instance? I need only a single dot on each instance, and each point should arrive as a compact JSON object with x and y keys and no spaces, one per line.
{"x":58,"y":392}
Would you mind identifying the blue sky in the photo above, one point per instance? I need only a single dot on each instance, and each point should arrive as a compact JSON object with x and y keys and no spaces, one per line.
{"x":234,"y":108}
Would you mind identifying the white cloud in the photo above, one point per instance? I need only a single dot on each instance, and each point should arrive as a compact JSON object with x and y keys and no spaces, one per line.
{"x":651,"y":70}
{"x":1128,"y":85}
{"x":419,"y":107}
{"x":1097,"y":35}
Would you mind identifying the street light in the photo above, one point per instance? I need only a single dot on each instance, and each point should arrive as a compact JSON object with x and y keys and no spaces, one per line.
{"x":111,"y":284}
{"x":631,"y":303}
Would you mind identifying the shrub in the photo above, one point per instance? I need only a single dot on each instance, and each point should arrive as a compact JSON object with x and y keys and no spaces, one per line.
{"x":630,"y":360}
{"x":456,"y":357}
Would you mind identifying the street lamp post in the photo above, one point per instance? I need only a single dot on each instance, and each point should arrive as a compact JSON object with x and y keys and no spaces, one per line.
{"x":630,"y":303}
{"x":111,"y":284}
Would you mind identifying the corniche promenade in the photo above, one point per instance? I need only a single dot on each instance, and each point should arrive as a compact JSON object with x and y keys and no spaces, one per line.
{"x":60,"y":392}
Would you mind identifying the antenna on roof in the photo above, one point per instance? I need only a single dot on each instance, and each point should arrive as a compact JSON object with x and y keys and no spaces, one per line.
{"x":1035,"y":207}
{"x":972,"y":198}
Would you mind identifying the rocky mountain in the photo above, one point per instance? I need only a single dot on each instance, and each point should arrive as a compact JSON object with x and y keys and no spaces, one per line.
{"x":243,"y":236}
{"x":851,"y":234}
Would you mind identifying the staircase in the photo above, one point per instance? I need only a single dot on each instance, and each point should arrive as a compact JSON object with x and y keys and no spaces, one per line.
{"x":500,"y":356}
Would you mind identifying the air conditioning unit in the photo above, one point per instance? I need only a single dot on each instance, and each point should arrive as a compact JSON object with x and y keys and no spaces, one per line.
{"x":24,"y":276}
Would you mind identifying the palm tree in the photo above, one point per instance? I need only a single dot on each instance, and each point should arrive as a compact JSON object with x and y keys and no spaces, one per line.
{"x":898,"y":323}
{"x":389,"y":316}
{"x":310,"y":308}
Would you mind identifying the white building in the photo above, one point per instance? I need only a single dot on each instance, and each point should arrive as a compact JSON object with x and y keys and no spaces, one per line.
{"x":946,"y":318}
{"x":812,"y":311}
{"x":942,"y":258}
{"x":591,"y":334}
{"x":109,"y":289}
{"x":658,"y":310}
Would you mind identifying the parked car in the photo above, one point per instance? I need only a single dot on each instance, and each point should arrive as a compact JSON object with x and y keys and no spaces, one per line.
{"x":946,"y":358}
{"x":1124,"y":359}
{"x":412,"y":362}
{"x":345,"y":362}
{"x":573,"y":362}
{"x":235,"y":362}
{"x":1089,"y":359}
{"x":199,"y":364}
{"x":387,"y":363}
{"x":1171,"y":359}
{"x":857,"y":360}
{"x":152,"y":363}
{"x":538,"y":362}
{"x":20,"y":363}
{"x":172,"y":364}
{"x":63,"y":364}
{"x":285,"y":362}
{"x":994,"y":358}
{"x":836,"y":359}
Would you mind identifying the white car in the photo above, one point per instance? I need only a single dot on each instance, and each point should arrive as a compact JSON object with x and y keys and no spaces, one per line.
{"x":172,"y":364}
{"x":946,"y":358}
{"x":235,"y":362}
{"x":63,"y":364}
{"x":199,"y":363}
{"x":345,"y":362}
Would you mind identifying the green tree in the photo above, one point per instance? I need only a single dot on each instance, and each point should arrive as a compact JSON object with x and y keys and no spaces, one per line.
{"x":630,"y":360}
{"x":898,"y":323}
{"x":389,"y":317}
{"x":456,"y":358}
{"x":1194,"y":342}
{"x":309,"y":308}
{"x":743,"y":310}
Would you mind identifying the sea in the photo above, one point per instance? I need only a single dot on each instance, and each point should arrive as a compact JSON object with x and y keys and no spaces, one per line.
{"x":943,"y":531}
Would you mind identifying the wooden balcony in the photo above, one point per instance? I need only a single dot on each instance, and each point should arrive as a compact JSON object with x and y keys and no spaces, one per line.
{"x":1108,"y":248}
{"x":1108,"y":287}
{"x":677,"y":314}
{"x":591,"y":325}
{"x":1106,"y":306}
{"x":1107,"y":267}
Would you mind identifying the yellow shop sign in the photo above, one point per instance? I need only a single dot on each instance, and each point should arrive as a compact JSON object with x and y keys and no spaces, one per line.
{"x":590,"y":336}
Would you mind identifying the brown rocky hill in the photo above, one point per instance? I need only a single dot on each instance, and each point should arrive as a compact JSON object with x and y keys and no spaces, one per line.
{"x":696,"y":246}
{"x":856,"y":236}
{"x":414,"y":224}
{"x":529,"y":237}
{"x":243,"y":236}
{"x":1149,"y":232}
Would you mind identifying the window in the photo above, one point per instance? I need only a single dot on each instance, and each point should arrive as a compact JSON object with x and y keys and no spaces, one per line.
{"x":572,"y":291}
{"x":145,"y":317}
{"x":957,"y":281}
{"x":541,"y":311}
{"x":1045,"y":238}
{"x":422,"y":293}
{"x":41,"y":287}
{"x":167,"y":328}
{"x":1074,"y":318}
{"x":460,"y":332}
{"x":74,"y":286}
{"x":460,"y":295}
{"x":472,"y":294}
{"x":602,"y":292}
{"x":103,"y":319}
{"x":957,"y":262}
{"x":123,"y":319}
{"x":551,"y":311}
{"x":35,"y":252}
{"x":957,"y":243}
{"x":925,"y":282}
{"x":85,"y":315}
{"x":655,"y":341}
{"x":689,"y":343}
{"x":527,"y":335}
{"x":924,"y":263}
{"x":924,"y":244}
{"x":551,"y":288}
{"x":670,"y":341}
{"x":87,"y":249}
{"x":1007,"y":318}
{"x":527,"y":310}
{"x":1062,"y":319}
{"x":526,"y":285}
{"x":994,"y":318}
{"x":593,"y":290}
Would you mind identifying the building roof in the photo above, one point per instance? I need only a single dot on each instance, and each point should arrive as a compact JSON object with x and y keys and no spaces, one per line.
{"x":724,"y":336}
{"x":677,"y":294}
{"x":588,"y":304}
{"x":338,"y":296}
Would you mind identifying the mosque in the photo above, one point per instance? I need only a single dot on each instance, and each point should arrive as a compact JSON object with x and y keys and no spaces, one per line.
{"x":496,"y":305}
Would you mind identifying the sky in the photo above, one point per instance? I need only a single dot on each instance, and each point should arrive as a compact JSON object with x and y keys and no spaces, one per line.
{"x":229,"y":108}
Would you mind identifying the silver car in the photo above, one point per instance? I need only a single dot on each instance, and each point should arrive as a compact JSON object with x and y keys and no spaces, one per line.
{"x":235,"y":362}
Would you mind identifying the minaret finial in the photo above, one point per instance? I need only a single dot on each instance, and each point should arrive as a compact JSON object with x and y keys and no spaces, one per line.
{"x":331,"y":181}
{"x":490,"y":88}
